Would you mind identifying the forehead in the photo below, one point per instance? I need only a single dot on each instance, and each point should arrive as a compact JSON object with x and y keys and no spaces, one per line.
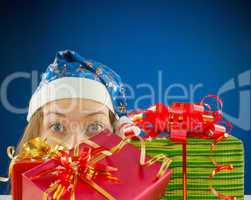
{"x":75,"y":106}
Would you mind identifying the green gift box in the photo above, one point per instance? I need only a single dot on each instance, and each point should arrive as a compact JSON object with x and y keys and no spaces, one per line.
{"x":199,"y":167}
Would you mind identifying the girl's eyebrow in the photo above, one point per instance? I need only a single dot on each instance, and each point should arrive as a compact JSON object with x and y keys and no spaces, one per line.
{"x":63,"y":115}
{"x":55,"y":113}
{"x":96,"y":113}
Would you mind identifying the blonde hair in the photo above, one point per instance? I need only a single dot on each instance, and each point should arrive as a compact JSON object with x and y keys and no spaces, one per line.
{"x":33,"y":128}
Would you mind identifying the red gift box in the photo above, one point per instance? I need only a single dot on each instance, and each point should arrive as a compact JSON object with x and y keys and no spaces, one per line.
{"x":135,"y":181}
{"x":19,"y":167}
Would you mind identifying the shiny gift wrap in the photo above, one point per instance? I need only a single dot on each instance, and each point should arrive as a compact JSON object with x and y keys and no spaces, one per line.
{"x":134,"y":181}
{"x":199,"y":167}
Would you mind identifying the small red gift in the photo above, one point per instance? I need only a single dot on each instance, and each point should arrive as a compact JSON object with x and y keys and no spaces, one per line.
{"x":134,"y":181}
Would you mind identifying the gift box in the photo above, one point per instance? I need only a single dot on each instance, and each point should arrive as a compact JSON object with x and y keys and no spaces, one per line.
{"x":199,"y":167}
{"x":208,"y":163}
{"x":135,"y":181}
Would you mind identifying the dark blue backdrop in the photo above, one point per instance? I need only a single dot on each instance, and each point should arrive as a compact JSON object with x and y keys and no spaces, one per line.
{"x":192,"y":42}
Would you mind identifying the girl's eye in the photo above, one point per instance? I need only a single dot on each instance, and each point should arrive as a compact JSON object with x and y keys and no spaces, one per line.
{"x":57,"y":127}
{"x":95,"y":127}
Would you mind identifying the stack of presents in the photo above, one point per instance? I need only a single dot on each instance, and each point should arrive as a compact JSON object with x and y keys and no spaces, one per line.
{"x":184,"y":151}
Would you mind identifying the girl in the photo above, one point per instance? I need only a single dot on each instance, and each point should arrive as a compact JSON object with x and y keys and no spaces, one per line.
{"x":76,"y":99}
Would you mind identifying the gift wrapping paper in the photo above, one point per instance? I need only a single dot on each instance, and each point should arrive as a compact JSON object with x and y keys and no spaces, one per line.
{"x":199,"y":167}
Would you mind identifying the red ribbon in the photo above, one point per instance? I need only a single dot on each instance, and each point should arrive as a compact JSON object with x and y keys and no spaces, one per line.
{"x":71,"y":167}
{"x":182,"y":120}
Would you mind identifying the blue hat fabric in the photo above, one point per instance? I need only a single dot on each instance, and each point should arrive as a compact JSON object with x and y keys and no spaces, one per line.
{"x":70,"y":64}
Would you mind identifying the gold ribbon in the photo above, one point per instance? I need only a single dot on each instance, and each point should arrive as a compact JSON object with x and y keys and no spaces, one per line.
{"x":219,"y":168}
{"x":157,"y":158}
{"x":165,"y":161}
{"x":36,"y":148}
{"x":10,"y":152}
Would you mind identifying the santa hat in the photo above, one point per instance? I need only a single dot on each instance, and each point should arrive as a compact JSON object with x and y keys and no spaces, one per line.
{"x":73,"y":76}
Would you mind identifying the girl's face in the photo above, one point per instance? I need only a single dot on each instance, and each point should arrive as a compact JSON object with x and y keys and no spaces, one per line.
{"x":71,"y":120}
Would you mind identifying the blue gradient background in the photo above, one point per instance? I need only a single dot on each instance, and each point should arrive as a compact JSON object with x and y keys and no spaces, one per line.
{"x":192,"y":42}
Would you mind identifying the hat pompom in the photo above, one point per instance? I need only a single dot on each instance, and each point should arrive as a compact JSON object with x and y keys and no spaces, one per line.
{"x":125,"y":127}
